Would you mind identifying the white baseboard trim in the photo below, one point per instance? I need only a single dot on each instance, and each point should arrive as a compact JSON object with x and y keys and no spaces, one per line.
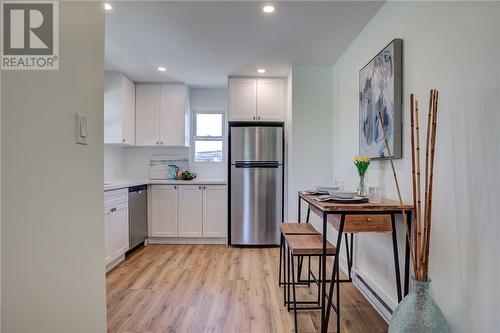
{"x":187,"y":240}
{"x":115,"y":263}
{"x":380,"y":300}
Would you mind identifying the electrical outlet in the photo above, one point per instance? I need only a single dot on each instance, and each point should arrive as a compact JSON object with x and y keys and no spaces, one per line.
{"x":81,"y":130}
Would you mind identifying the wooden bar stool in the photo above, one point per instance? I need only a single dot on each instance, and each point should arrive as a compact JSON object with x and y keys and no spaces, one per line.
{"x":310,"y":246}
{"x":292,"y":229}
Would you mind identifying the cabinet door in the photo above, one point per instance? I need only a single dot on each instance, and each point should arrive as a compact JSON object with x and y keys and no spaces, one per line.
{"x":242,"y":99}
{"x":107,"y":236}
{"x":173,"y":115}
{"x":119,"y":230}
{"x":147,"y":101}
{"x":190,"y":211}
{"x":271,"y":99}
{"x":128,"y":121}
{"x":214,"y":210}
{"x":164,"y":211}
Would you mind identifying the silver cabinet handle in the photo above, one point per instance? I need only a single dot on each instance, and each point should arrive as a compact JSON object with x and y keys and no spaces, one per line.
{"x":199,"y":187}
{"x":175,"y":187}
{"x":204,"y":187}
{"x":157,"y":142}
{"x":113,"y":209}
{"x":258,"y":118}
{"x":123,"y":140}
{"x":253,"y":118}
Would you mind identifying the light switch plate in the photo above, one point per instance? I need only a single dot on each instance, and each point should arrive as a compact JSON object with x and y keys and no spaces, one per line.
{"x":81,"y":130}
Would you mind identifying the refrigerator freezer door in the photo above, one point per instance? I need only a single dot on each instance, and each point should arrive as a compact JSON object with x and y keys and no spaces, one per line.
{"x":256,"y":205}
{"x":257,"y":143}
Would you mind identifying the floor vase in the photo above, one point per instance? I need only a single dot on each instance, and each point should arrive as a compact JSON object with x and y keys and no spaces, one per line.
{"x":418,"y":313}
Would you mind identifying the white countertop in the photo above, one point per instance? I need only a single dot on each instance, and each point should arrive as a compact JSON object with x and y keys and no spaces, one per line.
{"x":119,"y":184}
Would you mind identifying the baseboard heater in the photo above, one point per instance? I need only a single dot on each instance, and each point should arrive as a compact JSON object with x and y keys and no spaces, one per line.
{"x":370,"y":289}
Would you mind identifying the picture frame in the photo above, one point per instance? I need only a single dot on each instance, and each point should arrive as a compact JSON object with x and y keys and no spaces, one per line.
{"x":380,"y":92}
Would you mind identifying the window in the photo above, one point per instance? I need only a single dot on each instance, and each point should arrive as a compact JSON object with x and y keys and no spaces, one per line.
{"x":208,"y":135}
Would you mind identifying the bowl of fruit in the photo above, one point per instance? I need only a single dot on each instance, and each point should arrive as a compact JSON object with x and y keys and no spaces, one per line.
{"x":186,"y":175}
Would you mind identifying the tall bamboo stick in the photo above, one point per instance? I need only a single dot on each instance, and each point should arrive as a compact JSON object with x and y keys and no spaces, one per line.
{"x":418,"y":208}
{"x":414,"y":179}
{"x":425,"y":266}
{"x":427,"y":143}
{"x":397,"y":188}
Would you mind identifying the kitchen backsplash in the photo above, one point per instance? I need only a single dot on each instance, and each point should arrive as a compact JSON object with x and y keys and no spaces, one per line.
{"x":133,"y":163}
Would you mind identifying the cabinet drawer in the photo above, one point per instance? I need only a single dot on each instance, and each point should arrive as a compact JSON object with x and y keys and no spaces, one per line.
{"x":363,"y":223}
{"x":115,"y":197}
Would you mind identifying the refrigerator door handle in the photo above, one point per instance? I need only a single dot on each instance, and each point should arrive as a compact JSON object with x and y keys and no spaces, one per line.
{"x":255,"y":164}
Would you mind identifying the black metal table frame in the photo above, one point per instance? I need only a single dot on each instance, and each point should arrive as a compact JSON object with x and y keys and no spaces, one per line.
{"x":325,"y":309}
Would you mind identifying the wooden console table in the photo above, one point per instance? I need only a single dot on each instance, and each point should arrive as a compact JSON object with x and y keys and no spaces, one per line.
{"x":355,"y":218}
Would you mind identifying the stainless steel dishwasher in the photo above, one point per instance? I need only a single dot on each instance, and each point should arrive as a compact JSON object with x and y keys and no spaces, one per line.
{"x":137,"y":215}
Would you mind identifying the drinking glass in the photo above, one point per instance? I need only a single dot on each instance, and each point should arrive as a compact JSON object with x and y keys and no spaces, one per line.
{"x":375,"y":194}
{"x":339,"y":184}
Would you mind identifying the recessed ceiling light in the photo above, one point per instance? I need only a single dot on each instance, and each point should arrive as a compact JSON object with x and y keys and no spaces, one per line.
{"x":261,"y":70}
{"x":268,"y":9}
{"x":162,"y":69}
{"x":107,"y":6}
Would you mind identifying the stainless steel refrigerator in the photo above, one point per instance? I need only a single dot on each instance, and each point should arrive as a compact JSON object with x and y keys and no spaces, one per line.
{"x":255,"y":183}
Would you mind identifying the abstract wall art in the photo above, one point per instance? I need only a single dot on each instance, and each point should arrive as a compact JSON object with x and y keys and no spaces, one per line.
{"x":380,"y":93}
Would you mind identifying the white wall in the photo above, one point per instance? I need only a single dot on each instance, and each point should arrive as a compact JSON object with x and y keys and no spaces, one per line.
{"x":454,"y":47}
{"x":114,"y":163}
{"x":52,"y":220}
{"x":310,"y":154}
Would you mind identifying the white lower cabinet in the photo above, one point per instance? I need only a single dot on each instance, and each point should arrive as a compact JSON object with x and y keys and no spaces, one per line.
{"x":118,"y":229}
{"x":115,"y":225}
{"x":214,"y":210}
{"x":164,"y":211}
{"x":192,"y":211}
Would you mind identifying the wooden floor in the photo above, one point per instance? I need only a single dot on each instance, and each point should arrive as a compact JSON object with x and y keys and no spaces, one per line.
{"x":213,"y":288}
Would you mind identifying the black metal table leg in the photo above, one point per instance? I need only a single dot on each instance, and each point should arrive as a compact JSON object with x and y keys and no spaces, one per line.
{"x":335,"y":280}
{"x":298,"y":213}
{"x":287,"y":301}
{"x":301,"y":259}
{"x":280,"y":262}
{"x":396,"y":256}
{"x":407,"y":254}
{"x":324,"y":326}
{"x":294,"y":296}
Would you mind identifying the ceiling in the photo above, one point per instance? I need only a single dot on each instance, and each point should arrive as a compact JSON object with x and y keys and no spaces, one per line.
{"x":202,"y":42}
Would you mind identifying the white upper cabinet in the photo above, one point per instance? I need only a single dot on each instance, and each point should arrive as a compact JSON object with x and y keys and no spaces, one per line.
{"x":190,"y":211}
{"x":147,"y":114}
{"x":270,"y":99}
{"x":119,"y":109}
{"x":242,"y":99}
{"x":214,"y":210}
{"x":173,"y":115}
{"x":161,"y":114}
{"x":255,"y":99}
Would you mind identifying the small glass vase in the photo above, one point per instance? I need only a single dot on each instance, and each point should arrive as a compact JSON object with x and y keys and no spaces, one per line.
{"x":362,"y":187}
{"x":418,"y":313}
